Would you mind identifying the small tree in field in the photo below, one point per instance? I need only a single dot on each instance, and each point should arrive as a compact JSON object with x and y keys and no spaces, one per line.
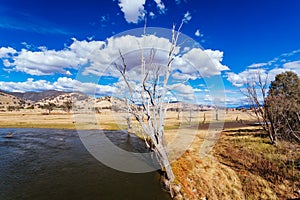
{"x":67,"y":105}
{"x":49,"y":107}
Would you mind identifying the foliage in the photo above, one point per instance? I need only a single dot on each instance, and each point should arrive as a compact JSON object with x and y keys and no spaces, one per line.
{"x":67,"y":106}
{"x":11,"y":108}
{"x":283,"y":104}
{"x":49,"y":107}
{"x":286,"y":84}
{"x":277,"y":111}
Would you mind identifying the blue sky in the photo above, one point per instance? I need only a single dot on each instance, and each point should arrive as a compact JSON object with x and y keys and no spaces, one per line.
{"x":249,"y":34}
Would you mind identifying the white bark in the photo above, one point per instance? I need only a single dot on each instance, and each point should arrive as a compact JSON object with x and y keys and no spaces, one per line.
{"x":152,"y":114}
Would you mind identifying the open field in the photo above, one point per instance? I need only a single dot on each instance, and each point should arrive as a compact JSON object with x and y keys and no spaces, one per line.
{"x":233,"y":162}
{"x":105,"y":120}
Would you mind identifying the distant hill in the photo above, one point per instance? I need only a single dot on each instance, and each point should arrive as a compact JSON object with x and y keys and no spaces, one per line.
{"x":59,"y":98}
{"x":36,"y":96}
{"x":8,"y":100}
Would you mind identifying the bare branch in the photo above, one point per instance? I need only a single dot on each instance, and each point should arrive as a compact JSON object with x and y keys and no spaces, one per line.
{"x":151,"y":114}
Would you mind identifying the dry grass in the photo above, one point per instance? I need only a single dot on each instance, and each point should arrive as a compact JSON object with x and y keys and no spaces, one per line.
{"x":61,"y":120}
{"x":265,"y":171}
{"x":36,"y":120}
{"x":242,"y":165}
{"x":206,"y":178}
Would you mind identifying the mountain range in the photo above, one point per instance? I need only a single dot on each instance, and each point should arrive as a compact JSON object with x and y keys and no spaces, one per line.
{"x":59,"y":98}
{"x":36,"y":96}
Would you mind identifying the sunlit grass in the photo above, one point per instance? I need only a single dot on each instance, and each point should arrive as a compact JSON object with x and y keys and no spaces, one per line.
{"x":40,"y":125}
{"x":263,"y":168}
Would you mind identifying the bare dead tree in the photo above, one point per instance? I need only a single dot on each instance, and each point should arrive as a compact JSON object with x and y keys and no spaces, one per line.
{"x":179,"y":110}
{"x":204,"y":118}
{"x":128,"y":121}
{"x":256,"y":92}
{"x":123,"y":111}
{"x":217,"y":112}
{"x":147,"y":103}
{"x":187,"y":113}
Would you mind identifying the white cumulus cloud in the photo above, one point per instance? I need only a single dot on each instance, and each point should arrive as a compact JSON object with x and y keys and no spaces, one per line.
{"x":6,"y":51}
{"x":45,"y":62}
{"x":293,"y":66}
{"x":151,"y":14}
{"x":68,"y":84}
{"x":250,"y":74}
{"x":182,"y":92}
{"x":48,"y":62}
{"x":28,"y":85}
{"x":130,"y":47}
{"x":188,"y":64}
{"x":206,"y":62}
{"x":62,"y":84}
{"x":133,"y":10}
{"x":246,"y":76}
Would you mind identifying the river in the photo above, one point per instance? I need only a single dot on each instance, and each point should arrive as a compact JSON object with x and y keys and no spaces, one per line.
{"x":54,"y":164}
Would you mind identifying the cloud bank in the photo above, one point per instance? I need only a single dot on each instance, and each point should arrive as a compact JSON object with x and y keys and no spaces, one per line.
{"x":62,"y":84}
{"x":97,"y":58}
{"x":285,"y":62}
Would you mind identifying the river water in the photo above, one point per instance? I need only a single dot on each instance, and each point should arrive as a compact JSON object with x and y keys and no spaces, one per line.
{"x":53,"y":164}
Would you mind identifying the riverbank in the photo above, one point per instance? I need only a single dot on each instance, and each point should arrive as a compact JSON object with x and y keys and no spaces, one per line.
{"x":242,"y":165}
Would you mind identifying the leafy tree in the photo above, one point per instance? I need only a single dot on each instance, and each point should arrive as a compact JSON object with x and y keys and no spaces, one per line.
{"x":283,"y":103}
{"x":30,"y":107}
{"x":277,"y":110}
{"x":67,"y":105}
{"x":286,"y":84}
{"x":11,"y":108}
{"x":49,"y":107}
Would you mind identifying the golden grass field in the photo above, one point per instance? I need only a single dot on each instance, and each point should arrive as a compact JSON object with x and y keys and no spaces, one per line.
{"x":106,"y":120}
{"x":234,"y":162}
